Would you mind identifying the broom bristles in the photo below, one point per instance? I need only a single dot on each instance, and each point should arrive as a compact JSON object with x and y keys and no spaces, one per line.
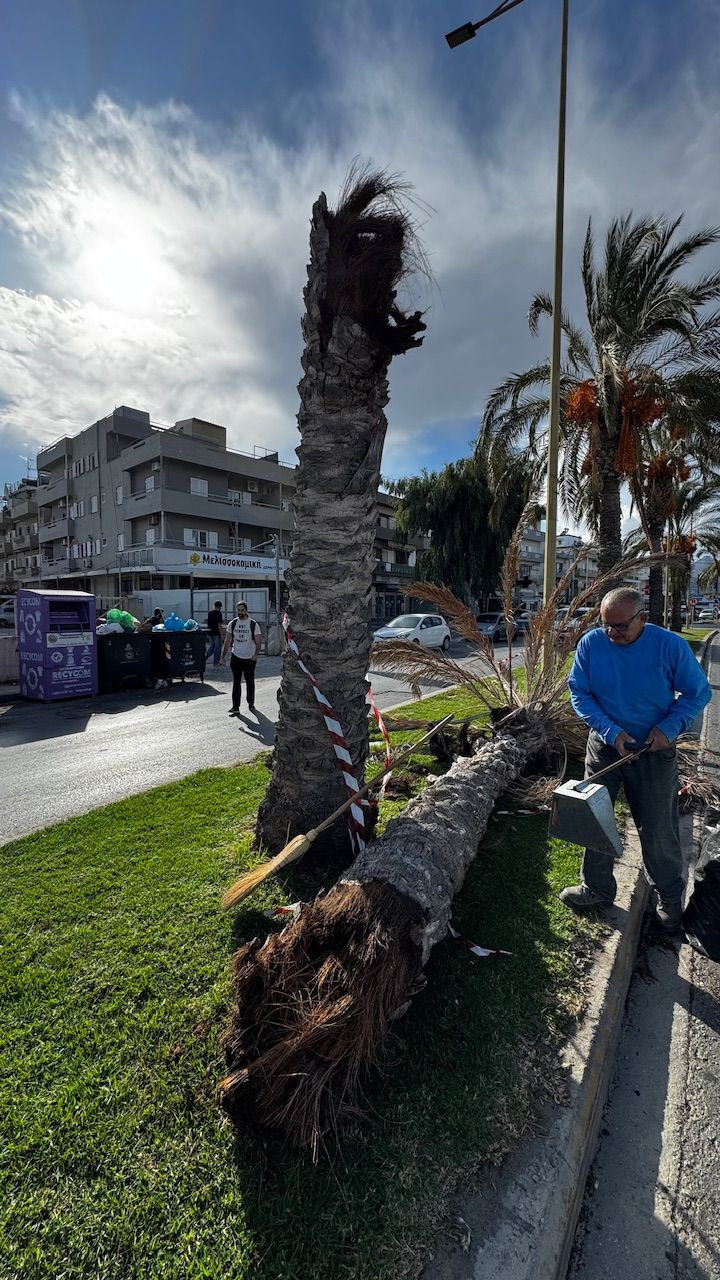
{"x":248,"y":883}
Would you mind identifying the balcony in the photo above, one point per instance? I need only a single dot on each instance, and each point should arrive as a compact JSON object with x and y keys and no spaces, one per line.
{"x":23,"y":508}
{"x":24,"y":541}
{"x":56,"y":530}
{"x":49,"y":493}
{"x":52,"y":452}
{"x":55,"y":568}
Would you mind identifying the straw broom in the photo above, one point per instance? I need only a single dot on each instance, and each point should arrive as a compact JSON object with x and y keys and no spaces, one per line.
{"x":299,"y":845}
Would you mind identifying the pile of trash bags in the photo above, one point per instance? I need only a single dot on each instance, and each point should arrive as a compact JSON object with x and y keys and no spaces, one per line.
{"x":174,"y":623}
{"x":118,"y":620}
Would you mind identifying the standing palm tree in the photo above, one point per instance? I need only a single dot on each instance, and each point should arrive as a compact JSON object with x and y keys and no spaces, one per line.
{"x":650,"y":351}
{"x":692,"y":517}
{"x":352,"y":329}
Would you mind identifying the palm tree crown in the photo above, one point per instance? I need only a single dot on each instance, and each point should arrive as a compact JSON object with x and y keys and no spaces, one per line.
{"x":650,"y":353}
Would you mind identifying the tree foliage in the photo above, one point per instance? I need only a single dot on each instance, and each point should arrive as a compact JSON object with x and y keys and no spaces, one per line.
{"x":469,"y":524}
{"x":650,"y":351}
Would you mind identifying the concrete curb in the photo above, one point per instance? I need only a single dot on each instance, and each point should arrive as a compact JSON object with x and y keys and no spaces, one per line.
{"x":523,"y":1221}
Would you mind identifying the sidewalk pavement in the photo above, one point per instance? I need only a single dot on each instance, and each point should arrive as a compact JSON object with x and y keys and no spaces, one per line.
{"x":522,"y":1218}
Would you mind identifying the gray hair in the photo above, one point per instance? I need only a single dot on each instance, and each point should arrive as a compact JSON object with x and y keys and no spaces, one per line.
{"x":623,"y":595}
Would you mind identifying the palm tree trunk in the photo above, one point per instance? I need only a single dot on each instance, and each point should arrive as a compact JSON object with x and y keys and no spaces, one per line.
{"x":655,"y":576}
{"x":315,"y":1001}
{"x":349,"y":343}
{"x":610,"y":512}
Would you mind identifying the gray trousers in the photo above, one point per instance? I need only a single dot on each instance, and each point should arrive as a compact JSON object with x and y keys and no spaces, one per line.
{"x":651,"y":790}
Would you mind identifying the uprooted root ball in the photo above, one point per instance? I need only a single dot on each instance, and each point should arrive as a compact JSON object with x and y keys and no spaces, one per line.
{"x":313,"y":1005}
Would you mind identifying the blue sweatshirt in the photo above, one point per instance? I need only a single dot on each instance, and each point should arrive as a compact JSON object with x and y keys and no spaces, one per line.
{"x":633,"y":686}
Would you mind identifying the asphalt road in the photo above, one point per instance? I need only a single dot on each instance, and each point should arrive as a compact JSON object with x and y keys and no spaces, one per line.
{"x":61,"y":759}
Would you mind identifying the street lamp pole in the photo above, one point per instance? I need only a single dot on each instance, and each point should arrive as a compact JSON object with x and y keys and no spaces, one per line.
{"x":455,"y":38}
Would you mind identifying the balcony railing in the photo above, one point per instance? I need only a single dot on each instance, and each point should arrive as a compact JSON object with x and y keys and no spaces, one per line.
{"x":387,"y":570}
{"x":253,"y":500}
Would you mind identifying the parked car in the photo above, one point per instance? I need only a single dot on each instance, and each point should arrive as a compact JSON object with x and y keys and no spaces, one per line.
{"x":568,"y":617}
{"x":427,"y":629}
{"x":7,"y":612}
{"x":492,"y":625}
{"x":522,"y":622}
{"x":706,"y":615}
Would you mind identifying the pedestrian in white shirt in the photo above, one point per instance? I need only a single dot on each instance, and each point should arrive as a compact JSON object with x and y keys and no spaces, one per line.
{"x":243,"y":639}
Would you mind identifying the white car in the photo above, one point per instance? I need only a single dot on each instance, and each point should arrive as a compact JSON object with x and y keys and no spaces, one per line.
{"x":427,"y":629}
{"x":706,"y":615}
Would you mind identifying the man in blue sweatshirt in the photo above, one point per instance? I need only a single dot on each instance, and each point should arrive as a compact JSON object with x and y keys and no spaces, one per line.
{"x":624,"y":681}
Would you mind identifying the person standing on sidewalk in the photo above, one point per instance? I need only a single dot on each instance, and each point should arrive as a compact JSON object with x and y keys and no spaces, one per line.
{"x":243,"y":640}
{"x":623,"y":683}
{"x":214,"y":623}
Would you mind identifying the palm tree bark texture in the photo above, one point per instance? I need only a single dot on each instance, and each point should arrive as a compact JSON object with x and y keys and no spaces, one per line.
{"x":352,"y":328}
{"x":315,"y":1001}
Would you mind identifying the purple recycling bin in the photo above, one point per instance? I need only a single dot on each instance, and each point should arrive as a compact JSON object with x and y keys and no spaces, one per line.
{"x":56,"y":644}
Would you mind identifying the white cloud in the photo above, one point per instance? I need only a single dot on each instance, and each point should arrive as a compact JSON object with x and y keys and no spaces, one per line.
{"x":163,"y":257}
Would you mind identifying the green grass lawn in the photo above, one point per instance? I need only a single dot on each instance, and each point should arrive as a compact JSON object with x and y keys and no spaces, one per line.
{"x":114,"y":988}
{"x":697,"y":634}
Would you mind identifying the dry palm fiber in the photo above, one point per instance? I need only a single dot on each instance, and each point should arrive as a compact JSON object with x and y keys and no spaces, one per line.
{"x":314,"y":1002}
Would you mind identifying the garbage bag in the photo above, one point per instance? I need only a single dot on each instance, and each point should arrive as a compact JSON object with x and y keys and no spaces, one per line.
{"x":701,"y":919}
{"x":191,"y":625}
{"x":160,"y":627}
{"x":127,"y":621}
{"x":173,"y":623}
{"x":109,"y":629}
{"x":114,"y":615}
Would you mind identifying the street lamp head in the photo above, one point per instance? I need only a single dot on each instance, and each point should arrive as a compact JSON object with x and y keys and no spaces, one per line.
{"x":461,"y":34}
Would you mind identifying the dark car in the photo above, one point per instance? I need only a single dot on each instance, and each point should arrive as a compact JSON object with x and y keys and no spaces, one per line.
{"x":492,"y":625}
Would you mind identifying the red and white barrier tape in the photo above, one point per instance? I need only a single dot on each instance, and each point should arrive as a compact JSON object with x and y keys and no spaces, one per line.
{"x":356,"y":815}
{"x":471,"y":946}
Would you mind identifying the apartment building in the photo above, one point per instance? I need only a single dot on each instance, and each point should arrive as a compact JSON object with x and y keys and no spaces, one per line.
{"x":127,"y":508}
{"x":19,"y":542}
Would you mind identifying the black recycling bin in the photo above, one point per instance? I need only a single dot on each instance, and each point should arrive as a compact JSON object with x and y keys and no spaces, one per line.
{"x":183,"y":654}
{"x":123,"y":660}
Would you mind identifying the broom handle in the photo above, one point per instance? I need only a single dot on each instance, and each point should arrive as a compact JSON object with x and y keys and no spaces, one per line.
{"x":623,"y":760}
{"x":357,"y":795}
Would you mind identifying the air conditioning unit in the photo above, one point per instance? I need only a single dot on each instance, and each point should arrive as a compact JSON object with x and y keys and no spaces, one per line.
{"x":154,"y":518}
{"x":155,"y":466}
{"x":252,"y":486}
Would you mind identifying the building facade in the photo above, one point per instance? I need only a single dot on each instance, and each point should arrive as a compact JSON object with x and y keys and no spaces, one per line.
{"x":19,"y":541}
{"x":140,"y":514}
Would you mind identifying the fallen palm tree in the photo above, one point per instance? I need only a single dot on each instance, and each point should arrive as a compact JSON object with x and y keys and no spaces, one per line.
{"x":315,"y":1001}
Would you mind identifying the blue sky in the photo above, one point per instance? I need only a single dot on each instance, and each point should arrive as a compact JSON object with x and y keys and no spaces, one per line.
{"x":160,"y":159}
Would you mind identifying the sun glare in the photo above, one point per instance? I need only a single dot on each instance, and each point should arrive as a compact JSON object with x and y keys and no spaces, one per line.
{"x":122,"y":267}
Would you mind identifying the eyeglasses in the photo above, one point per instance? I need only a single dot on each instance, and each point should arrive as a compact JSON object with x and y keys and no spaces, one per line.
{"x":622,"y":627}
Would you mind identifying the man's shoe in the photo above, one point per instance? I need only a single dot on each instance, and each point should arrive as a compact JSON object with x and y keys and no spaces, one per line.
{"x":233,"y":711}
{"x":251,"y":707}
{"x":582,"y":898}
{"x":668,"y":916}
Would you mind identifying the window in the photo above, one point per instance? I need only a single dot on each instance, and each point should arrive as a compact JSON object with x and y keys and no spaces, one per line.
{"x":93,"y":504}
{"x":81,"y":507}
{"x":96,"y":547}
{"x":198,"y":487}
{"x":149,"y":484}
{"x":73,"y":510}
{"x":234,"y":496}
{"x":149,"y":537}
{"x":121,"y":542}
{"x":119,"y":495}
{"x":200,"y":538}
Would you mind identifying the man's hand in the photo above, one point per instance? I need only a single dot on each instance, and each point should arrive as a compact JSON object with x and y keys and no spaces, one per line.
{"x":621,"y":743}
{"x":657,"y":740}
